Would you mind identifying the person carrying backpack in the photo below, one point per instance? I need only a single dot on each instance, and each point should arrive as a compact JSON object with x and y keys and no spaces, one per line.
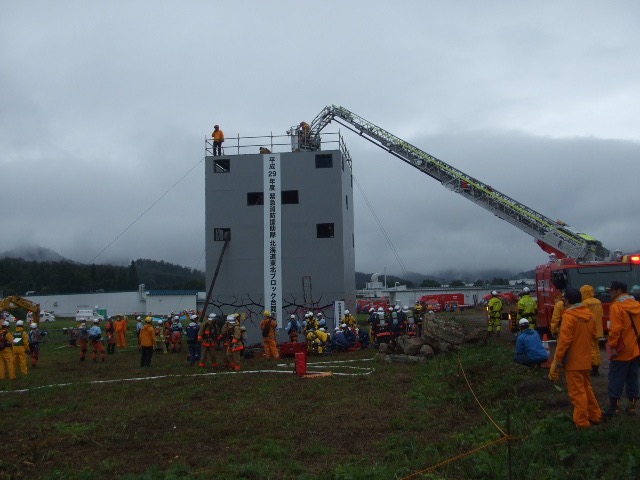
{"x":293,"y":329}
{"x":193,"y":330}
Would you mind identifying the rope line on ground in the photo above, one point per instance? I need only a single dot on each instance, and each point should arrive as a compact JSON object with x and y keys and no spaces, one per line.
{"x":457,"y":457}
{"x":478,"y":401}
{"x":368,"y":371}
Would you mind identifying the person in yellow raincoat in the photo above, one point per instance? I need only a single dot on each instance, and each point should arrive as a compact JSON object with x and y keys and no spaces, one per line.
{"x":574,"y":354}
{"x":556,"y":316}
{"x":218,"y":139}
{"x":6,"y":352}
{"x":595,"y":305}
{"x":494,"y":308}
{"x":528,"y":308}
{"x":20,"y":347}
{"x":623,"y":366}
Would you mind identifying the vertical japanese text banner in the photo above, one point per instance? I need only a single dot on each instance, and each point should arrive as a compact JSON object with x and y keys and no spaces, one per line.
{"x":272,"y":237}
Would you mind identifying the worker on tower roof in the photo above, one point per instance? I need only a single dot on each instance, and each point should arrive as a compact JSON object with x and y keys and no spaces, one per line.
{"x":218,"y":138}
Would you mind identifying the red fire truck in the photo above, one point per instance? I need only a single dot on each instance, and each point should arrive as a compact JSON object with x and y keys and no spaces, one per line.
{"x":557,"y":275}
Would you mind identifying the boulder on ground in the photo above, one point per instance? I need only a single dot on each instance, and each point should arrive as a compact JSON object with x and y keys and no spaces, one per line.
{"x":426,"y":351}
{"x":409,"y":345}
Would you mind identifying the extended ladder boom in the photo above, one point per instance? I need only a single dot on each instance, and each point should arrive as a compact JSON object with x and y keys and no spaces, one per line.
{"x":553,"y":237}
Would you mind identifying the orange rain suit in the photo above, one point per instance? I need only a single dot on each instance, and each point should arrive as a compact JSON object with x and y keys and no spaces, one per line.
{"x":269,"y":342}
{"x":556,"y":316}
{"x":595,"y":305}
{"x":121,"y":330}
{"x":574,"y":350}
{"x":208,"y":336}
{"x":621,"y":326}
{"x":20,"y":349}
{"x":6,"y":355}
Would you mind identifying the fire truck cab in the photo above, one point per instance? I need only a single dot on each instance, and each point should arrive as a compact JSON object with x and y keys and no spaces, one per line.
{"x":556,"y":275}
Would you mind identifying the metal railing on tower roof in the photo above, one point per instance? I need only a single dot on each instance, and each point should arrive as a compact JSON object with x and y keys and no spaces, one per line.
{"x":291,"y":142}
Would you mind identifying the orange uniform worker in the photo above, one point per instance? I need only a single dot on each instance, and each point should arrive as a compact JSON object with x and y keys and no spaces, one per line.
{"x":6,"y":352}
{"x":208,"y":336}
{"x":574,"y":353}
{"x":218,"y":138}
{"x":595,"y":305}
{"x":624,"y":315}
{"x":147,"y":339}
{"x":268,"y":328}
{"x":121,"y":330}
{"x":20,"y":347}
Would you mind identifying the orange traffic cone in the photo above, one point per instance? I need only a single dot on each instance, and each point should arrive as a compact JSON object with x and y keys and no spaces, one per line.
{"x":545,"y":344}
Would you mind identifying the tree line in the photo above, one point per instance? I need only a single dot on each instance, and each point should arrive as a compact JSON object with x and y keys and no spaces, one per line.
{"x":19,"y":277}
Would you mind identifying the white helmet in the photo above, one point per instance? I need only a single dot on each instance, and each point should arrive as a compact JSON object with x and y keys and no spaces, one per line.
{"x":231,"y":318}
{"x":523,"y":322}
{"x":344,"y":325}
{"x":320,"y":313}
{"x":159,"y":322}
{"x":494,"y":293}
{"x":525,"y":290}
{"x":391,"y":309}
{"x":371,"y":310}
{"x":306,"y":315}
{"x":322,"y":329}
{"x":346,"y":312}
{"x":212,"y":315}
{"x":19,"y":323}
{"x":5,"y":323}
{"x":176,"y":317}
{"x":405,"y":309}
{"x":34,"y":325}
{"x":137,"y":318}
{"x":193,"y":317}
{"x":293,"y":316}
{"x":380,"y":309}
{"x":397,"y":307}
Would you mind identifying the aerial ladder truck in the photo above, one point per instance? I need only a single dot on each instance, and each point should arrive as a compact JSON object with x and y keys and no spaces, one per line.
{"x":576,"y":258}
{"x":553,"y":236}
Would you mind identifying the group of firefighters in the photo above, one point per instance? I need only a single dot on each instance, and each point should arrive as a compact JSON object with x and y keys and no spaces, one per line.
{"x":14,"y":347}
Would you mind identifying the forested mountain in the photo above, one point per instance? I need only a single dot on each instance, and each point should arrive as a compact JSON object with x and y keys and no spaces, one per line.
{"x":18,"y":276}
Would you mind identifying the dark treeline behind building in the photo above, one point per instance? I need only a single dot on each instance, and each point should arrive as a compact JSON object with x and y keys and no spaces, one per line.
{"x":18,"y":276}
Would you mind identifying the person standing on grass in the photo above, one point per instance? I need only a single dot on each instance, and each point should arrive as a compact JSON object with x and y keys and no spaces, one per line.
{"x":268,"y":328}
{"x":573,"y":352}
{"x":34,"y":344}
{"x":193,"y":343}
{"x":20,"y":347}
{"x":6,"y":352}
{"x":110,"y":331}
{"x":494,"y":308}
{"x":95,"y":337}
{"x":147,"y":339}
{"x":121,"y":329}
{"x":624,"y":315}
{"x":595,"y":305}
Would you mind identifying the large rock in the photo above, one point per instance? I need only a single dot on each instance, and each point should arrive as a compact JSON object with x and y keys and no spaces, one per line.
{"x":443,"y":335}
{"x":426,"y":351}
{"x":384,"y":348}
{"x":408,"y":345}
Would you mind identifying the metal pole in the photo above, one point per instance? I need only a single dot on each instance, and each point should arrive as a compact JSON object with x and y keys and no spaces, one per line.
{"x":213,"y":281}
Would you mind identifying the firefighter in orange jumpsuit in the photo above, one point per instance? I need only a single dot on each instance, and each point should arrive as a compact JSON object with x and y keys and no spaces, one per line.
{"x":624,"y":363}
{"x":20,"y":347}
{"x":121,"y":330}
{"x":595,"y":305}
{"x":574,"y":353}
{"x":83,"y":340}
{"x":268,"y":328}
{"x":6,"y":352}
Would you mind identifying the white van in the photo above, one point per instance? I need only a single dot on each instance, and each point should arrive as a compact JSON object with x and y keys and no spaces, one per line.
{"x":87,"y":316}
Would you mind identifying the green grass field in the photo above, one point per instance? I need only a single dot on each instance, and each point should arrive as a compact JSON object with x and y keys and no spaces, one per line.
{"x":388,"y":423}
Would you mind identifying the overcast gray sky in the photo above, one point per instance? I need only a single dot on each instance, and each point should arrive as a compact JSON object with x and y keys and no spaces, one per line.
{"x":105,"y":106}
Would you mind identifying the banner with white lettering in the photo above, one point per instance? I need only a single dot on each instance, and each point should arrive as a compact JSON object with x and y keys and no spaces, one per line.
{"x":338,"y":312}
{"x":272,"y":237}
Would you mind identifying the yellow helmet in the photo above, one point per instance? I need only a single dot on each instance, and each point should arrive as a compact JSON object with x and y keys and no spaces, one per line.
{"x":148,"y":319}
{"x":267,"y":313}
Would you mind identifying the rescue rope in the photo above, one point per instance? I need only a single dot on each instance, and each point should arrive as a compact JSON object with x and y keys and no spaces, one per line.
{"x":456,"y":458}
{"x":503,"y":438}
